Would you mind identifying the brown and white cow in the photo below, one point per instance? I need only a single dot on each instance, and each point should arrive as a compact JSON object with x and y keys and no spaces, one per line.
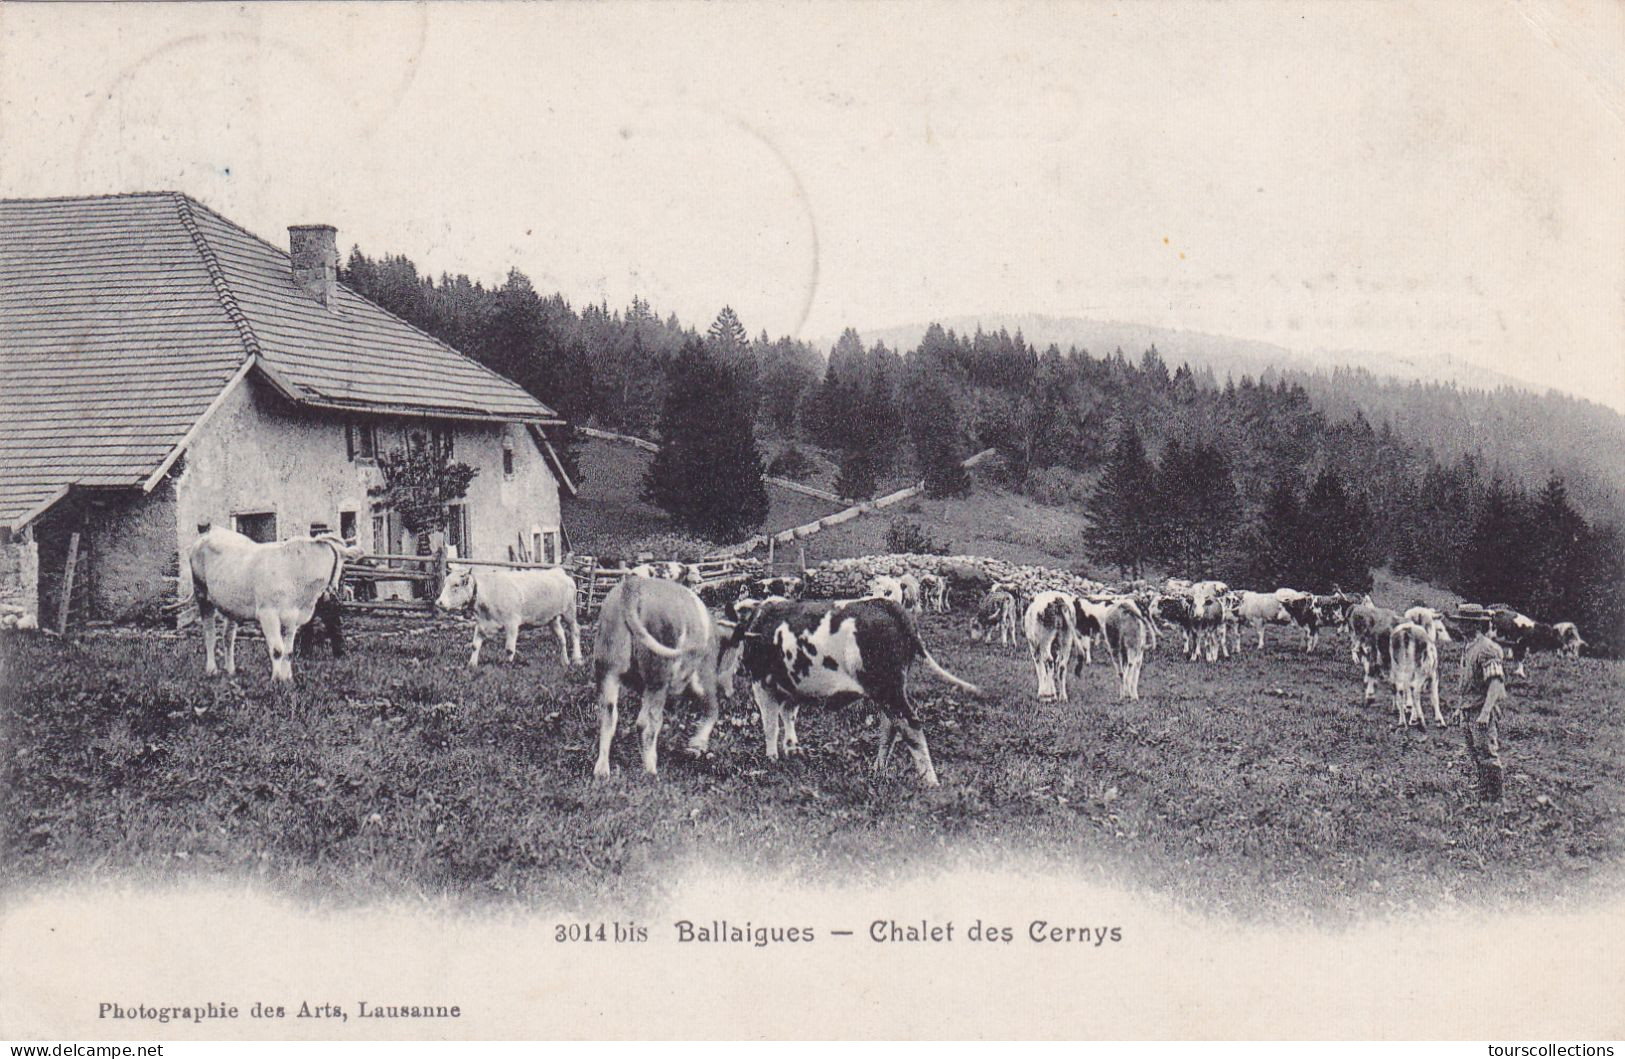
{"x":903,"y":590}
{"x":1088,"y":617}
{"x":798,"y":652}
{"x":1050,"y":625}
{"x":934,"y":593}
{"x":1369,"y":627}
{"x":669,"y":570}
{"x":1413,"y":653}
{"x":997,"y":613}
{"x":1569,"y":634}
{"x":762,"y":587}
{"x":656,"y":638}
{"x":503,"y":601}
{"x":1127,"y":631}
{"x":1175,"y":611}
{"x":277,"y":584}
{"x":1313,"y":613}
{"x":1523,"y":635}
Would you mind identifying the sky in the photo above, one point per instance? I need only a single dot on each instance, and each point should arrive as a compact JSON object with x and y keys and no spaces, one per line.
{"x":1434,"y":178}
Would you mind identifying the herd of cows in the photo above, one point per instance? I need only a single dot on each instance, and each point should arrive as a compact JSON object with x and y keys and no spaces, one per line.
{"x":657,"y":638}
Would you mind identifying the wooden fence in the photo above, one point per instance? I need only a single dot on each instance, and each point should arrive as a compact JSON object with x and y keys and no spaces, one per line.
{"x":402,"y":573}
{"x":593,"y":582}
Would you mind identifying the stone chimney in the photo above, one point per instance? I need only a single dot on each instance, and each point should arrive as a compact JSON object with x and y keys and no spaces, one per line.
{"x":315,"y":253}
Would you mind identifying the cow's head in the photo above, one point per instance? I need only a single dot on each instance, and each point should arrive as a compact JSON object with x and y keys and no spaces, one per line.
{"x":458,"y":591}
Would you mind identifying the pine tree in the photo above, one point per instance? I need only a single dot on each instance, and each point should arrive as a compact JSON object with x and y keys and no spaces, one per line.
{"x":1276,"y":543}
{"x":1172,"y":507}
{"x":708,"y":472}
{"x":1336,"y":544}
{"x":1559,"y":531}
{"x":1120,"y":512}
{"x":936,"y":406}
{"x":857,"y":480}
{"x":1493,"y":568}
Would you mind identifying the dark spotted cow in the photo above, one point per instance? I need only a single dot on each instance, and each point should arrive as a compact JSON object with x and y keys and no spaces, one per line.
{"x":1370,"y":627}
{"x":795,"y":652}
{"x":1175,"y":611}
{"x":1314,"y":613}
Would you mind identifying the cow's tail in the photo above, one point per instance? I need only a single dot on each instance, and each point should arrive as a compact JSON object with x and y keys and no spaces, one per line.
{"x":936,"y":667}
{"x":655,"y":646}
{"x":336,"y":578}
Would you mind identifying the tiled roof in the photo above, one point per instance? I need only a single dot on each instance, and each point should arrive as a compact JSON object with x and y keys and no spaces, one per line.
{"x":123,"y":317}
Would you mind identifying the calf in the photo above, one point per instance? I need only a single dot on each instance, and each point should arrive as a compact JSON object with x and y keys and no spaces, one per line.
{"x":1414,"y":665}
{"x":503,"y":601}
{"x":911,"y":594}
{"x":884,"y":586}
{"x":1051,"y":628}
{"x":794,"y":652}
{"x":1207,"y":621}
{"x":328,"y":613}
{"x":235,"y":579}
{"x":654,"y":637}
{"x":1126,"y":633}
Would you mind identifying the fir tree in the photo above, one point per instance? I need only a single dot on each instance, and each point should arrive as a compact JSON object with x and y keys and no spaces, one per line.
{"x":708,"y":473}
{"x":1276,"y":543}
{"x":1492,"y":566}
{"x":1335,"y":544}
{"x":857,"y":480}
{"x":1120,"y":512}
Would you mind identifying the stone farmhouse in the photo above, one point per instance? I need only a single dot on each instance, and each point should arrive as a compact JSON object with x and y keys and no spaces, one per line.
{"x":163,"y":370}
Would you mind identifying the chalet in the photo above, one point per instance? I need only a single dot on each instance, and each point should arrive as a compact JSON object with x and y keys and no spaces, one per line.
{"x":162,"y":370}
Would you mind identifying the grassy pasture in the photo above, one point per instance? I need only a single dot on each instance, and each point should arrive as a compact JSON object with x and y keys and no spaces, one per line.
{"x":1255,"y":786}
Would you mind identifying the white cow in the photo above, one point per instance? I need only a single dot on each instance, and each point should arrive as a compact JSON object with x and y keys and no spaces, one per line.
{"x":503,"y":600}
{"x":1051,"y":628}
{"x":236,"y":579}
{"x":1258,"y":609}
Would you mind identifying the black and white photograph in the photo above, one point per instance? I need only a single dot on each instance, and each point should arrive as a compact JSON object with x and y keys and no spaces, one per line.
{"x":844,"y":521}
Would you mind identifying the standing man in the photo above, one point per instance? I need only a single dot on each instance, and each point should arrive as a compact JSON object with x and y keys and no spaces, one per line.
{"x":1483,"y":686}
